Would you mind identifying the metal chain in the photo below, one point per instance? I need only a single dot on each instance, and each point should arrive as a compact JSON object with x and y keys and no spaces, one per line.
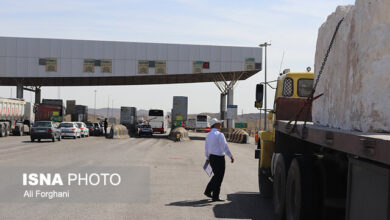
{"x":310,"y":99}
{"x":326,"y":56}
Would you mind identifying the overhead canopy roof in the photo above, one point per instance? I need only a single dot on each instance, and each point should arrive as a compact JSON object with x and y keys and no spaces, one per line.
{"x":55,"y":62}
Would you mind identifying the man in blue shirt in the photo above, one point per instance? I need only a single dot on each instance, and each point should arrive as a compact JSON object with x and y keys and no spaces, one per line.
{"x":215,"y":150}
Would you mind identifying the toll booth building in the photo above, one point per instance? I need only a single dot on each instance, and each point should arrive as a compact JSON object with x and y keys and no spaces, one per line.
{"x":59,"y":62}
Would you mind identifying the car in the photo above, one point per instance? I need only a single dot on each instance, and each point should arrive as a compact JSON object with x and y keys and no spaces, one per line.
{"x":70,"y":129}
{"x":98,"y":129}
{"x":91,"y":128}
{"x":83,"y":129}
{"x":45,"y":130}
{"x":144,"y":129}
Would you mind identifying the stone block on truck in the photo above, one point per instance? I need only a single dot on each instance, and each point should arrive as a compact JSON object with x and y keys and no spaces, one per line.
{"x":338,"y":166}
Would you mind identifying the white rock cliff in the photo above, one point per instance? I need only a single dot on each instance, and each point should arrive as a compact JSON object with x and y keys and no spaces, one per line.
{"x":356,"y":78}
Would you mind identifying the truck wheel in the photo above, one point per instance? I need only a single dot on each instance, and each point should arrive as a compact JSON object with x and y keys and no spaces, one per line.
{"x":299,"y":189}
{"x":2,"y":131}
{"x":279,"y":187}
{"x":53,"y":139}
{"x":265,"y":185}
{"x":32,"y":140}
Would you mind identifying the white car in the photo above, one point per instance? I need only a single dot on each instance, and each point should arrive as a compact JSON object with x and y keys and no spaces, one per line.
{"x":83,"y":129}
{"x":70,"y":129}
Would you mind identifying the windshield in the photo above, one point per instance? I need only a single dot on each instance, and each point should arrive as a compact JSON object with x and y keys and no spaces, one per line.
{"x":304,"y":87}
{"x":89,"y":124}
{"x":156,"y":112}
{"x":66,"y":125}
{"x":201,"y":118}
{"x":96,"y":124}
{"x":80,"y":124}
{"x":42,"y":124}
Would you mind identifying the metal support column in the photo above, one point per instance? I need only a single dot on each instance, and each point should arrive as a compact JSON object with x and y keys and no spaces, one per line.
{"x":230,"y":122}
{"x":19,"y":91}
{"x":37,"y":95}
{"x":223,"y":108}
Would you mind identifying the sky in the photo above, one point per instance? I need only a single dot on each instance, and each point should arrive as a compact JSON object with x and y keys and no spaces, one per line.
{"x":291,"y":26}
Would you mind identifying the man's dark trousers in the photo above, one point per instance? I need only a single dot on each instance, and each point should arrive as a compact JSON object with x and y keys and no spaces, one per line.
{"x":217,"y":163}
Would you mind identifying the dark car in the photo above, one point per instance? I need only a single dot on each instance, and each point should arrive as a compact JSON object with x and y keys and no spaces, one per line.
{"x":98,"y":129}
{"x":144,"y":129}
{"x":91,"y":128}
{"x":45,"y":130}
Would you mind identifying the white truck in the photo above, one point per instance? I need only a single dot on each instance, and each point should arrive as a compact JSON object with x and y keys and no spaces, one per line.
{"x":16,"y":117}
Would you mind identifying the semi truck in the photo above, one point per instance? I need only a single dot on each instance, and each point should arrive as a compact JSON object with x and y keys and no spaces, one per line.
{"x":51,"y":109}
{"x":128,"y":118}
{"x":16,"y":117}
{"x":318,"y":172}
{"x":179,"y":111}
{"x":80,"y":113}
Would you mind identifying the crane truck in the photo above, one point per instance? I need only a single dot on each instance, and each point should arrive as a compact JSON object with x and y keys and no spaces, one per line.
{"x":16,"y":117}
{"x":317,"y":172}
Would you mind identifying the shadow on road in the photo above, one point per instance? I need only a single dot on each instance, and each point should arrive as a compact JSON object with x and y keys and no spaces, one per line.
{"x":197,"y":138}
{"x":192,"y":203}
{"x":245,"y":205}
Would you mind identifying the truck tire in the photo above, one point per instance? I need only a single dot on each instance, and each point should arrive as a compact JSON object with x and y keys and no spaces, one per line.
{"x":32,"y":139}
{"x":265,"y":185}
{"x":282,"y":164}
{"x":2,"y":131}
{"x":299,"y":198}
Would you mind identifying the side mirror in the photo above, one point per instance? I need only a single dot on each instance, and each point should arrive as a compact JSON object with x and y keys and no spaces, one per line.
{"x":259,"y":95}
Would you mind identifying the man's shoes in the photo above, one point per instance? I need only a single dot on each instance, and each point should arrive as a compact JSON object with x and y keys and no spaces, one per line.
{"x":208,"y":194}
{"x":218,"y":200}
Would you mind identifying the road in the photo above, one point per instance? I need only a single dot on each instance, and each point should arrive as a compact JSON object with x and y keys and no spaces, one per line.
{"x":177,"y":180}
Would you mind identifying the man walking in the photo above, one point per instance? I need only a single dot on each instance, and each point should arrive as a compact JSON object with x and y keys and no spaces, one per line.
{"x":105,"y":124}
{"x":215,"y":150}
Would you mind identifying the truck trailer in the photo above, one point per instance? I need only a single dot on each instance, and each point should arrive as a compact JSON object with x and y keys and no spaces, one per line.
{"x":16,"y":117}
{"x":179,"y":111}
{"x":317,"y":172}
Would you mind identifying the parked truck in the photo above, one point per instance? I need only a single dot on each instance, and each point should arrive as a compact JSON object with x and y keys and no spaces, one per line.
{"x":128,"y":118}
{"x":179,"y":111}
{"x":317,"y":172}
{"x":80,"y":113}
{"x":51,"y":109}
{"x":16,"y":117}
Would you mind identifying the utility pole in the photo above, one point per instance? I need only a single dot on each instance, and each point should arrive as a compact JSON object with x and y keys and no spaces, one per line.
{"x":265,"y":45}
{"x":94,"y":110}
{"x":108,"y":106}
{"x":112,"y":109}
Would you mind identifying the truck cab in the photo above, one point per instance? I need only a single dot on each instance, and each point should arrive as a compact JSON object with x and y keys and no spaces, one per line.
{"x":292,"y":90}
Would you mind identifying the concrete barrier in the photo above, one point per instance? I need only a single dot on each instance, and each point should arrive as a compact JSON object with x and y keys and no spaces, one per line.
{"x":118,"y":131}
{"x":179,"y":134}
{"x":237,"y":136}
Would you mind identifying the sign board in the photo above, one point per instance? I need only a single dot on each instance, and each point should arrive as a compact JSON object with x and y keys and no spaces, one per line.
{"x":241,"y":125}
{"x":197,"y":66}
{"x":231,"y":112}
{"x":51,"y":64}
{"x":143,"y":66}
{"x":106,"y":66}
{"x":160,"y":67}
{"x":89,"y":66}
{"x":249,"y":64}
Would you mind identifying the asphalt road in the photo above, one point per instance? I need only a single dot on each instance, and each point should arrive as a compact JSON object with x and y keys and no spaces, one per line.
{"x":177,"y":180}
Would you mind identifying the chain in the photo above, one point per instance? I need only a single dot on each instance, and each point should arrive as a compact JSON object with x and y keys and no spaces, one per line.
{"x":311,"y":98}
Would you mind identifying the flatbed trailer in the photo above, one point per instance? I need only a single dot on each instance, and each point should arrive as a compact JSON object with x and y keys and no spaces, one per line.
{"x":350,"y":172}
{"x":371,"y":146}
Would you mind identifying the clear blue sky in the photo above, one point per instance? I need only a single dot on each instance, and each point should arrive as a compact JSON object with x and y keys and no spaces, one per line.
{"x":290,"y":25}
